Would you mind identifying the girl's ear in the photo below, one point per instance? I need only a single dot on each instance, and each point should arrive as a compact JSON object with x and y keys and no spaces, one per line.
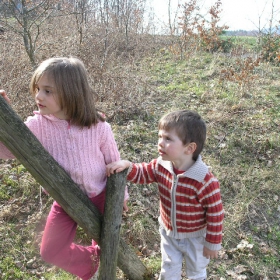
{"x":190,"y":148}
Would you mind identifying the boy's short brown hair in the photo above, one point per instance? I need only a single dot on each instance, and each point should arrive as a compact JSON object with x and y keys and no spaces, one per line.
{"x":189,"y":126}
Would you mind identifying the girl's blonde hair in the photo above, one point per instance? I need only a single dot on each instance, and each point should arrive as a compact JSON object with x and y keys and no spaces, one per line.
{"x":72,"y":89}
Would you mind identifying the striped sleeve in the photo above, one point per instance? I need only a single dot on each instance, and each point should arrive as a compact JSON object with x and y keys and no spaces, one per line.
{"x":143,"y":173}
{"x":210,"y":197}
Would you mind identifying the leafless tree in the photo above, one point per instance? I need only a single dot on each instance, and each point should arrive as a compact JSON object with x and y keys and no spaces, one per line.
{"x":26,"y":18}
{"x":117,"y":20}
{"x":172,"y":16}
{"x":81,"y":10}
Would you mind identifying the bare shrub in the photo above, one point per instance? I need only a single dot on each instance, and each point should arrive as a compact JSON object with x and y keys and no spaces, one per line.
{"x":270,"y":48}
{"x":197,"y":32}
{"x":112,"y":67}
{"x":187,"y":41}
{"x":209,"y":32}
{"x":15,"y":71}
{"x":269,"y":38}
{"x":242,"y":71}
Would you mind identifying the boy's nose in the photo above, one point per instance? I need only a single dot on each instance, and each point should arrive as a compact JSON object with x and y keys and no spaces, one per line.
{"x":160,"y":142}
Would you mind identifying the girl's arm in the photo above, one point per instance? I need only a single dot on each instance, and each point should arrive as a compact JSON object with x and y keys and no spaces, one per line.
{"x":5,"y":152}
{"x":110,"y":152}
{"x":108,"y":145}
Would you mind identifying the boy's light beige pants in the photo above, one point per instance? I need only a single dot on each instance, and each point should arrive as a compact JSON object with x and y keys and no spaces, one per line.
{"x":174,"y":251}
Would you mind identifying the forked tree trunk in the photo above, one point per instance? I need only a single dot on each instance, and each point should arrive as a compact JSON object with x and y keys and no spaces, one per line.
{"x":15,"y":135}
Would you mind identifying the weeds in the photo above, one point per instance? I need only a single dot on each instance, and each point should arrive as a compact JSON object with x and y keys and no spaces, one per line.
{"x":240,"y":106}
{"x":270,"y":47}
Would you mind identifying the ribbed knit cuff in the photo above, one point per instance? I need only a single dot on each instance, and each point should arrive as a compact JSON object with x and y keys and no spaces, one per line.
{"x":129,"y":168}
{"x":213,"y":247}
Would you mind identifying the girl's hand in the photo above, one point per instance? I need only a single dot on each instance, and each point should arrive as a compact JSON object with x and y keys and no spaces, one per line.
{"x":125,"y":207}
{"x":3,"y":93}
{"x":117,"y":167}
{"x":210,"y":254}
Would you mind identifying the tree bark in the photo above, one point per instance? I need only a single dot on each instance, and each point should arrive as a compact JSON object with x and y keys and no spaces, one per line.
{"x":110,"y":231}
{"x":16,"y":136}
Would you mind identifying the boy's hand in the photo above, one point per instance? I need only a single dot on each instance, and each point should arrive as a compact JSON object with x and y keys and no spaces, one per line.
{"x":3,"y":93}
{"x":117,"y":167}
{"x":210,"y":254}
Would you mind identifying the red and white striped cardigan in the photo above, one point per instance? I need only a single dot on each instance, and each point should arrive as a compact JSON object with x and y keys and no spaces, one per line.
{"x":190,"y":203}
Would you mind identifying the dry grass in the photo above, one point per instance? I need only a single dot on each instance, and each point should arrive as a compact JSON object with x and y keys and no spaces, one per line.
{"x":135,"y":88}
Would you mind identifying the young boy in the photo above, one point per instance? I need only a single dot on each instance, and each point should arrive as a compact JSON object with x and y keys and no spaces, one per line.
{"x":191,"y":210}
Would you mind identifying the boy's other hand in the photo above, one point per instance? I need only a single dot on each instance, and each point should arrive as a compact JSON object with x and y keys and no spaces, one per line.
{"x":116,"y":167}
{"x":210,"y":254}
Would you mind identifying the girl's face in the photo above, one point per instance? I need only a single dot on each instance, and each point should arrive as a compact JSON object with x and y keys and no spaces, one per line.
{"x":46,"y":100}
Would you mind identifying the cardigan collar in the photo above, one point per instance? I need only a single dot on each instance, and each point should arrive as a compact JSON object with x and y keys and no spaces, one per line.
{"x":196,"y":172}
{"x":49,"y":117}
{"x":52,"y":118}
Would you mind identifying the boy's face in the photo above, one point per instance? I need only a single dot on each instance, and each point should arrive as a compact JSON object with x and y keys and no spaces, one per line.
{"x":171,"y":147}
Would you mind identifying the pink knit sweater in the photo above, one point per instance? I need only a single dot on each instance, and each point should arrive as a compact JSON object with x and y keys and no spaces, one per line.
{"x":82,"y":152}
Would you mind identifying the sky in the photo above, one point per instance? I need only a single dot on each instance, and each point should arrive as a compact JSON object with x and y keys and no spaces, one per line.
{"x":237,"y":14}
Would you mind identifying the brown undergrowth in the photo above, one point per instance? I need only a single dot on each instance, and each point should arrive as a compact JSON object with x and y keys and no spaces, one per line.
{"x":242,"y":149}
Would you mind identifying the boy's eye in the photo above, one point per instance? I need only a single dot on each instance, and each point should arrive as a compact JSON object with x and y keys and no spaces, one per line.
{"x":166,"y":138}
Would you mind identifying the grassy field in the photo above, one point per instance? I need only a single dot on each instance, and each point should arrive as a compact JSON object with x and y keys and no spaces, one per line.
{"x":242,"y":113}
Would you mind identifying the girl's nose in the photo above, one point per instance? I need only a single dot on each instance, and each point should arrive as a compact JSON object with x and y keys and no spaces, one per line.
{"x":39,"y":95}
{"x":160,"y":142}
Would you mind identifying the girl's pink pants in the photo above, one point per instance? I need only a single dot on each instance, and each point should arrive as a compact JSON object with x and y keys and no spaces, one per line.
{"x":57,"y":243}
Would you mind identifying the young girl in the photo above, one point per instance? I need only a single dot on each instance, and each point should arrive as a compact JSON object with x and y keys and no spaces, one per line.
{"x":81,"y":141}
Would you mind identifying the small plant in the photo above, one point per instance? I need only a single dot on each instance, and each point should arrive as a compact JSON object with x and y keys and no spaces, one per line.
{"x":241,"y":72}
{"x":200,"y":33}
{"x":211,"y":36}
{"x":270,"y":48}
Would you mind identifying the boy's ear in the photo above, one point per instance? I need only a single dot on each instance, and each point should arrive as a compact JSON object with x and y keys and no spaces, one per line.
{"x":190,"y":148}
